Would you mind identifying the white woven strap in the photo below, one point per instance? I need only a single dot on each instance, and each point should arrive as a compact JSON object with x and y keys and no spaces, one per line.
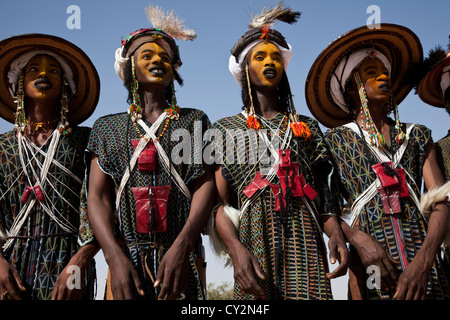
{"x":166,"y":161}
{"x":139,"y":148}
{"x":28,"y":206}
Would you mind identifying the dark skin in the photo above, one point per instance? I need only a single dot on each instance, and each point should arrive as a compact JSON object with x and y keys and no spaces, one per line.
{"x":154,"y":73}
{"x":412,"y":283}
{"x":265,"y":69}
{"x":43,"y":85}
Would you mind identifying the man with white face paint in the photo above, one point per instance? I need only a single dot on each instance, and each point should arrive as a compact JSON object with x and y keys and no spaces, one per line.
{"x":351,"y":88}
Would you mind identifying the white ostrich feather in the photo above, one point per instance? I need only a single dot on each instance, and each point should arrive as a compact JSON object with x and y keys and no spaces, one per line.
{"x":169,"y":23}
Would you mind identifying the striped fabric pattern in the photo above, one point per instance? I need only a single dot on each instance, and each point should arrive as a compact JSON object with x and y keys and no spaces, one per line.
{"x":291,"y":253}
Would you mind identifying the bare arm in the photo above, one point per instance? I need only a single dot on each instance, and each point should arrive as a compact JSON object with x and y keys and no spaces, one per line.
{"x":336,"y":245}
{"x":246,"y":266}
{"x":124,"y":279}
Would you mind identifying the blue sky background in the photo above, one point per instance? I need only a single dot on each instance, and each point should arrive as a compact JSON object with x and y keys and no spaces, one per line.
{"x":208,"y":85}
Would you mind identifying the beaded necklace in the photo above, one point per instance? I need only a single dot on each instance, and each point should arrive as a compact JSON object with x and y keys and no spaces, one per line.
{"x":159,"y":136}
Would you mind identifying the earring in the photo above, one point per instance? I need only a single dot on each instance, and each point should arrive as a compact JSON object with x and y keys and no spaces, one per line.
{"x":376,"y":138}
{"x":20,"y":120}
{"x":64,"y":128}
{"x":252,"y":120}
{"x":173,"y":109}
{"x":135,"y":110}
{"x":401,"y":136}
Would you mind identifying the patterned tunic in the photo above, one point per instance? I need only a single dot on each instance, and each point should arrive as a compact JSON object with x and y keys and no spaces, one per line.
{"x":401,"y":234}
{"x":443,"y":151}
{"x":42,"y":249}
{"x":289,"y":246}
{"x":110,"y":140}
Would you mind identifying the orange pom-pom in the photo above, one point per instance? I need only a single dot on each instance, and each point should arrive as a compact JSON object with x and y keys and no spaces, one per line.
{"x":300,"y":129}
{"x":173,"y":111}
{"x":253,"y":123}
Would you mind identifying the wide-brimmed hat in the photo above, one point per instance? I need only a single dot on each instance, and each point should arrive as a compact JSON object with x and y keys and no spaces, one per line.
{"x":430,"y":88}
{"x":84,"y":74}
{"x":398,"y":44}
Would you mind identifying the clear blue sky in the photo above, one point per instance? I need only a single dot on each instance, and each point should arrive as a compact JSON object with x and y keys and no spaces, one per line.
{"x":219,"y":23}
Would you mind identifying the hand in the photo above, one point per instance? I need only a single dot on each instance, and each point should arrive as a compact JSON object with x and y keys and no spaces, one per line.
{"x":412,"y":283}
{"x":124,"y":279}
{"x":61,"y":291}
{"x":371,"y":253}
{"x":10,"y":281}
{"x":172,"y":273}
{"x":338,"y":250}
{"x":246,"y":266}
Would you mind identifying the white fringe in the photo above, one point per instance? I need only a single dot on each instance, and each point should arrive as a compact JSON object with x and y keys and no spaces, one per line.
{"x":217,"y":244}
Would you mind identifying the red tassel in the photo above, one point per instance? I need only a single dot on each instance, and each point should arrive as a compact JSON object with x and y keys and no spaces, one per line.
{"x":300,"y":129}
{"x":253,"y":123}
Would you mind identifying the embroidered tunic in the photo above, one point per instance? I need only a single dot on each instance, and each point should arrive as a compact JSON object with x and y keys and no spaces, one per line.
{"x":401,"y":234}
{"x":288,"y":245}
{"x":110,"y":140}
{"x":42,"y":249}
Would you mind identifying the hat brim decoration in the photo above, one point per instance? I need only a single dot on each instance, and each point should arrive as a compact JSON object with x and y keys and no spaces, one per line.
{"x":397,"y":43}
{"x":429,"y":88}
{"x":84,"y":73}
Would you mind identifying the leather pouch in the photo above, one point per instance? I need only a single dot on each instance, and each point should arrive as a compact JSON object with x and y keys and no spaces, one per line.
{"x":148,"y":157}
{"x":151,"y":208}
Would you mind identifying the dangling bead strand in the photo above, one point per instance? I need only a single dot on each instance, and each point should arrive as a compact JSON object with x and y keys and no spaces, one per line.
{"x":401,"y":136}
{"x":376,"y":138}
{"x":135,"y":110}
{"x":64,"y":127}
{"x":20,"y":120}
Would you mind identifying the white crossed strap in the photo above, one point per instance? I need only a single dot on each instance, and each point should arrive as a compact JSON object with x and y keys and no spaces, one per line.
{"x":383,"y":156}
{"x":150,"y":134}
{"x":40,"y":181}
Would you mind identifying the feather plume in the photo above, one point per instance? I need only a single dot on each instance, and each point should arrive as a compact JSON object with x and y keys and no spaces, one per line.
{"x":270,"y":16}
{"x":169,"y":23}
{"x":419,"y":71}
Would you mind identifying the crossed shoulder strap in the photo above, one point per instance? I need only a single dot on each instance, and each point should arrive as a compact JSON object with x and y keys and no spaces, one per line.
{"x":383,"y":156}
{"x":150,"y":134}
